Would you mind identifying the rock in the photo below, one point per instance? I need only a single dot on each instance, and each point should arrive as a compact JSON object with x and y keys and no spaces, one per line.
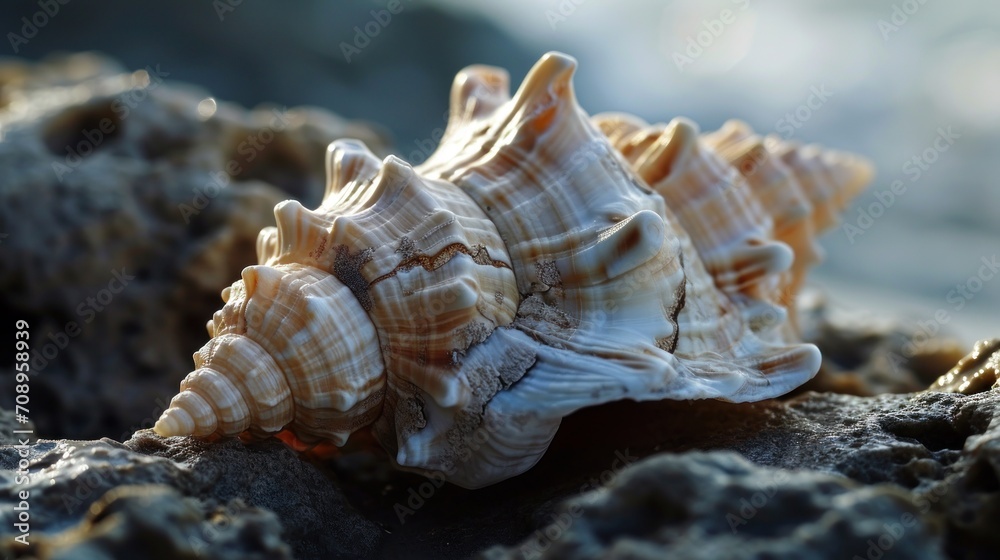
{"x":90,"y":495}
{"x":352,"y":58}
{"x":866,"y":355}
{"x":156,"y":521}
{"x":943,"y":448}
{"x":933,"y":455}
{"x":938,"y":449}
{"x":718,"y":505}
{"x":127,"y":202}
{"x":975,"y":373}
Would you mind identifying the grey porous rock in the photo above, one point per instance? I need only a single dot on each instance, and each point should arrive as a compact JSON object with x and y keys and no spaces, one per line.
{"x":127,"y":202}
{"x":211,"y":500}
{"x":869,"y":355}
{"x":717,"y":505}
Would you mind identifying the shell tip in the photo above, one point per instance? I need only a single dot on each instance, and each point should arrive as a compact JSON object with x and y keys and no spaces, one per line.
{"x":174,"y":422}
{"x":551,"y":76}
{"x":556,"y":59}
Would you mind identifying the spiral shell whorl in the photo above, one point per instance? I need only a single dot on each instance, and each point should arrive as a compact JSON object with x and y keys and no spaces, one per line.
{"x":292,"y":348}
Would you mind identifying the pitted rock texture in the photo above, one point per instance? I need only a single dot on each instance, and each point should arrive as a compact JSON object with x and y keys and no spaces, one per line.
{"x":90,"y":495}
{"x":943,"y":448}
{"x":931,"y":454}
{"x":155,"y":521}
{"x":127,"y":203}
{"x":866,"y":355}
{"x":718,"y":505}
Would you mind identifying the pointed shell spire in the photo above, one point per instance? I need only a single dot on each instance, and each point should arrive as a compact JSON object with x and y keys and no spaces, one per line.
{"x":292,"y":348}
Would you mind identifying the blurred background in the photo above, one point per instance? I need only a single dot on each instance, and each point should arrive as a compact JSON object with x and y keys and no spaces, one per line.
{"x":914,"y":85}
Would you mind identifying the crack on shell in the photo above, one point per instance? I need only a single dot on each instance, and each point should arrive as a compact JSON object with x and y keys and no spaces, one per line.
{"x":479,"y":254}
{"x":680,"y":297}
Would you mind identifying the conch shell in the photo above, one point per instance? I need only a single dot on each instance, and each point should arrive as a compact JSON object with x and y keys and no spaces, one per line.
{"x":462,"y":308}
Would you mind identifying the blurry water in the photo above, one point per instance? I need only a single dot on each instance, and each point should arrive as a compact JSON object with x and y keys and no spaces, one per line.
{"x":898,"y":75}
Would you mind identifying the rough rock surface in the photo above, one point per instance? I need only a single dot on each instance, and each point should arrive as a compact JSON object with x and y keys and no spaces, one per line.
{"x":943,"y":448}
{"x":934,"y":455}
{"x":866,"y":355}
{"x":217,"y":499}
{"x":127,"y":202}
{"x":154,"y":521}
{"x":717,"y":505}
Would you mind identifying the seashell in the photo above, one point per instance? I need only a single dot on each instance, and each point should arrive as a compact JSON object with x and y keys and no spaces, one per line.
{"x":731,"y":173}
{"x":780,"y":175}
{"x":462,"y":308}
{"x":977,"y":372}
{"x":774,"y":185}
{"x":712,"y":202}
